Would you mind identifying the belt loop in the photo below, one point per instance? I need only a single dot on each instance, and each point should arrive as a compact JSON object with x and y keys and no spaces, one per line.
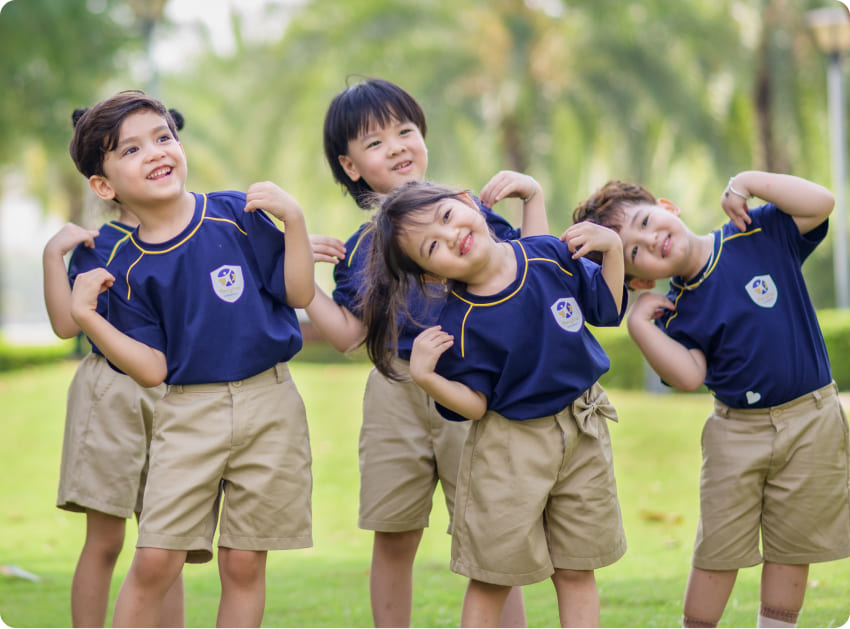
{"x":818,"y":399}
{"x":722,"y":410}
{"x":280,"y":370}
{"x":176,"y":388}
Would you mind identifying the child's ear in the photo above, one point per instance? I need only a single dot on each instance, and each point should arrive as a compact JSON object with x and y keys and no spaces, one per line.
{"x":668,"y":205}
{"x":101,"y":187}
{"x":638,"y":284}
{"x":349,"y":167}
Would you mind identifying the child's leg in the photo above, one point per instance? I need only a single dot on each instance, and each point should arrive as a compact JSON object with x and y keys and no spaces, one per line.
{"x":513,"y":613}
{"x":391,"y":577}
{"x":578,"y":597}
{"x":151,"y":575}
{"x":174,"y":607}
{"x":783,"y":588}
{"x":706,"y":595}
{"x":483,"y":604}
{"x":243,"y":587}
{"x":93,"y":575}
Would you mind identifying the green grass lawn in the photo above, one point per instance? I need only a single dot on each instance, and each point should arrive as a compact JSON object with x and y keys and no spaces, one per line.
{"x":657,"y":458}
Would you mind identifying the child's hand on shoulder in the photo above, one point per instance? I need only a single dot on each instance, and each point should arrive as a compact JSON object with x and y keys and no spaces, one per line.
{"x":584,"y":237}
{"x":507,"y":183}
{"x":427,"y":348}
{"x":648,"y":307}
{"x":327,"y":249}
{"x":87,"y":287}
{"x":69,"y":237}
{"x":268,"y":196}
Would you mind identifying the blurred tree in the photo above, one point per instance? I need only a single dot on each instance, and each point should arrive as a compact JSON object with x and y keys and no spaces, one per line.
{"x":677,"y":95}
{"x":54,"y":57}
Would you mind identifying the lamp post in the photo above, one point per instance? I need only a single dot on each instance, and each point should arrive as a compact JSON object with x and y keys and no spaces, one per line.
{"x":149,"y":12}
{"x":831,"y":30}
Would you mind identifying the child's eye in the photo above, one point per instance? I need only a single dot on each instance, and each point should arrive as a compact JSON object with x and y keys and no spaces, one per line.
{"x":373,"y":143}
{"x":644,"y":221}
{"x":165,"y":138}
{"x":129,"y":150}
{"x":447,"y":215}
{"x":634,"y":253}
{"x":431,"y":248}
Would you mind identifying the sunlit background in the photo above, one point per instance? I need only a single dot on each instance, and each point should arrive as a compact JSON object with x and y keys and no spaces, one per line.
{"x":676,"y":94}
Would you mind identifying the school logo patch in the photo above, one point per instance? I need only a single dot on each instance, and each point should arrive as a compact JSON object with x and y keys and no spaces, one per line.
{"x":228,"y":282}
{"x":762,"y":290}
{"x":567,"y":314}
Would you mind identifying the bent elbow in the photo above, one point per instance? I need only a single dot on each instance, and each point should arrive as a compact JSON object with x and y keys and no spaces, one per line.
{"x":689,"y":385}
{"x":152,"y":377}
{"x":149,"y":381}
{"x":302,"y":298}
{"x":65,"y":333}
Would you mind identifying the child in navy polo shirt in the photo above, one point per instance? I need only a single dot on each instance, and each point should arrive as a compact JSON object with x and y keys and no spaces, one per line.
{"x":202,"y":298}
{"x":738,"y":317}
{"x":374,"y":140}
{"x":108,"y":421}
{"x":536,"y":493}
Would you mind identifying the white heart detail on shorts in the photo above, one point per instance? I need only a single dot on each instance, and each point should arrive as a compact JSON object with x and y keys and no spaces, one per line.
{"x":752,"y":397}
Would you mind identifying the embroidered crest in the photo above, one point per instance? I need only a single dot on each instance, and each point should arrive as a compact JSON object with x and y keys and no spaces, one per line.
{"x":568,"y":314}
{"x":228,"y":282}
{"x":762,"y":290}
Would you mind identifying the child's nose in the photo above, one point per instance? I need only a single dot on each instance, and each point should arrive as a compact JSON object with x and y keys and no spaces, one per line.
{"x":154,"y":152}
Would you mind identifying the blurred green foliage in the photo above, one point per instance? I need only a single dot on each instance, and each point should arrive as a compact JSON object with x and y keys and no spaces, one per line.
{"x":676,"y":95}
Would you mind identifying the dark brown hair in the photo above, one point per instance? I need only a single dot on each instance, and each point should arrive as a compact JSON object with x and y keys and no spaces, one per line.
{"x":607,"y":206}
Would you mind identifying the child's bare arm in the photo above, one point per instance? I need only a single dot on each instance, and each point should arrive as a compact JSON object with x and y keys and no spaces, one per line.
{"x":144,"y":364}
{"x":57,"y":288}
{"x":508,"y":183}
{"x":584,"y":237}
{"x":336,"y":323}
{"x":808,"y":203}
{"x":298,"y":265}
{"x":678,"y":366}
{"x":427,"y":349}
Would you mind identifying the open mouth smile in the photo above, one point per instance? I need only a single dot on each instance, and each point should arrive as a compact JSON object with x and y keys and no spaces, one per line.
{"x":159,"y":173}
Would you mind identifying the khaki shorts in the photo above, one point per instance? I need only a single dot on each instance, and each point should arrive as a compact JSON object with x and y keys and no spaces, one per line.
{"x":107,"y":430}
{"x":247,"y":440}
{"x":781,"y":470}
{"x":406,"y":446}
{"x":538,"y":494}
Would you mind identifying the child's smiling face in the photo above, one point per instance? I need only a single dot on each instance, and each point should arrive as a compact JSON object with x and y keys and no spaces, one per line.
{"x":449,"y":239}
{"x":147,"y":165}
{"x":387,"y":156}
{"x":656,"y":243}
